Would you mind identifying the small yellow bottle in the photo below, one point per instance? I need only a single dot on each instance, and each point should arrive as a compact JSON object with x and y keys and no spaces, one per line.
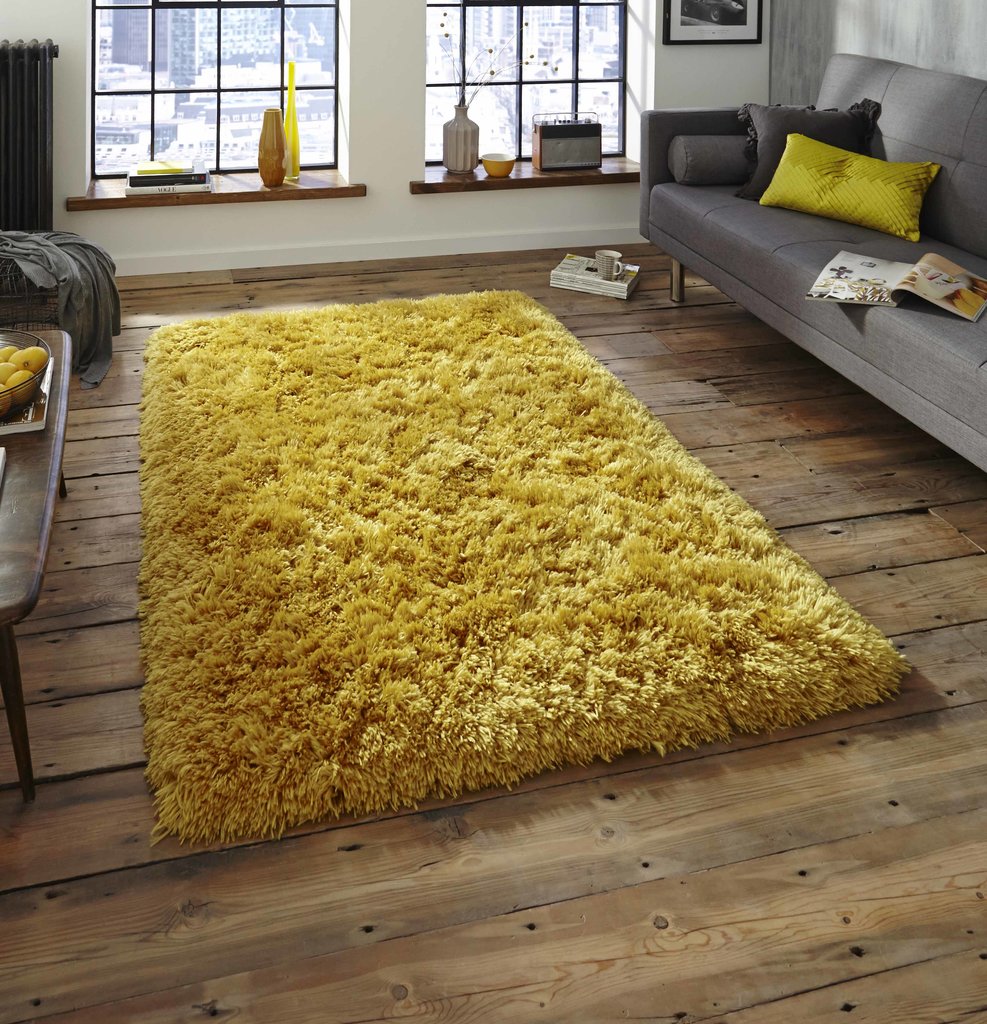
{"x":292,"y":150}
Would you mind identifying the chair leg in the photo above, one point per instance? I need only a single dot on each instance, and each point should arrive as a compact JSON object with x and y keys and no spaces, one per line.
{"x":13,"y":699}
{"x":62,"y":489}
{"x":676,"y":291}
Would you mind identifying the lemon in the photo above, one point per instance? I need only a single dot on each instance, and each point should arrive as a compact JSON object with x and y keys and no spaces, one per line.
{"x":6,"y":353}
{"x":6,"y":369}
{"x":18,"y":377}
{"x":32,"y":359}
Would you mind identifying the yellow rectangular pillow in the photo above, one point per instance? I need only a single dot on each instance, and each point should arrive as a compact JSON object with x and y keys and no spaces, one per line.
{"x":830,"y":182}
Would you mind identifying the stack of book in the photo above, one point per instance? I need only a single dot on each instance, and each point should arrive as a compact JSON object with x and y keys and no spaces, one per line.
{"x":579,"y":274}
{"x":155,"y":177}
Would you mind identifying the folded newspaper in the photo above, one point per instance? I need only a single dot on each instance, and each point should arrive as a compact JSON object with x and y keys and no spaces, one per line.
{"x":851,"y":277}
{"x":579,"y":274}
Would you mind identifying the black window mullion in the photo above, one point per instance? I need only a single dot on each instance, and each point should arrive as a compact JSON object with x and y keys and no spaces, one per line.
{"x":219,"y":81}
{"x":519,"y":88}
{"x":217,"y":92}
{"x":577,"y":80}
{"x":577,"y":14}
{"x":154,"y":76}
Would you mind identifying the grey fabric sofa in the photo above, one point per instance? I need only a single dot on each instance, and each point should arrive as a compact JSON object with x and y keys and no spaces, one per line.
{"x":927,"y":364}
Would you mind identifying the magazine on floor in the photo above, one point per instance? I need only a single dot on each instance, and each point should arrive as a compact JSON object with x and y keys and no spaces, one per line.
{"x":867,"y":281}
{"x":579,"y":274}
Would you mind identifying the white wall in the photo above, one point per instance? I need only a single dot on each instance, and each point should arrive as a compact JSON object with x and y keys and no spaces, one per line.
{"x":382,"y":145}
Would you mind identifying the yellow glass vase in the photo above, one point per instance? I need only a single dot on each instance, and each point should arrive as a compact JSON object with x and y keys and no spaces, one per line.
{"x":293,"y":150}
{"x":271,"y":148}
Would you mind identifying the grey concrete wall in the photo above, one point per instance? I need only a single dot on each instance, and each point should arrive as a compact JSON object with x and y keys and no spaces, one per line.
{"x":945,"y":35}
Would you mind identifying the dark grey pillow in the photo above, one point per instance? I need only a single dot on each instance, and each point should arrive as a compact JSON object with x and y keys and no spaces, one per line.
{"x":768,"y":129}
{"x":708,"y":159}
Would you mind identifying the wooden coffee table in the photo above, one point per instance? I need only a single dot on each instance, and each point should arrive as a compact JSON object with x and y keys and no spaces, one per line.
{"x":31,"y":481}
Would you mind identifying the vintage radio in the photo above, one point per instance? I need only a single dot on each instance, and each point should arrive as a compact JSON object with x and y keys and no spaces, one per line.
{"x":561,"y":141}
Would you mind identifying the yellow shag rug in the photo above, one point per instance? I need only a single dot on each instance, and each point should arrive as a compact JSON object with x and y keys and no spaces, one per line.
{"x":414,"y":548}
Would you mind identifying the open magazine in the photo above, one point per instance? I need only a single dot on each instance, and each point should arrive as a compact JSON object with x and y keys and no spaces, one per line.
{"x":851,"y":277}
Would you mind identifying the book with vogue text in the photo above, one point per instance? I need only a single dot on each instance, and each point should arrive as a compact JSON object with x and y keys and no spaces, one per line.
{"x":579,"y":274}
{"x":33,"y":415}
{"x":156,"y":188}
{"x":867,"y":281}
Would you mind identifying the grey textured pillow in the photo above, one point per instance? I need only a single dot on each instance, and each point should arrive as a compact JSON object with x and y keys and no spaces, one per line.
{"x":768,"y":129}
{"x":708,"y":159}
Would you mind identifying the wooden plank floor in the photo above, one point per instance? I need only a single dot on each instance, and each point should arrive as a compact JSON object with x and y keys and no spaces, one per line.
{"x":831,"y":873}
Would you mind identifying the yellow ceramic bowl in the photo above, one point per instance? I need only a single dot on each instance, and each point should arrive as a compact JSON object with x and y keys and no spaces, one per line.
{"x":497,"y":165}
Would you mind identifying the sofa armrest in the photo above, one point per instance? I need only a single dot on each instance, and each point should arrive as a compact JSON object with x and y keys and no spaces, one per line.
{"x":659,"y":127}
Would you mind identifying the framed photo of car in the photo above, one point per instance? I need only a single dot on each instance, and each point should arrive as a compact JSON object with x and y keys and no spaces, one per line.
{"x":712,"y":21}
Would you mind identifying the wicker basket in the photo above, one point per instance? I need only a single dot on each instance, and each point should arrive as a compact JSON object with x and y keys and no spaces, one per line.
{"x":13,"y":398}
{"x":23,"y":304}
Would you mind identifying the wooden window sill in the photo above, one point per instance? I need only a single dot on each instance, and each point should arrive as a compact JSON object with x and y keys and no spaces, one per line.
{"x":616,"y":170}
{"x":108,"y":193}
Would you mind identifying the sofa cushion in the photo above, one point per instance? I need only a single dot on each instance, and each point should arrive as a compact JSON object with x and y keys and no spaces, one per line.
{"x":929,"y":350}
{"x":768,"y":129}
{"x":708,"y":159}
{"x":832,"y":182}
{"x":926,"y":115}
{"x":731,"y":231}
{"x":780,"y":253}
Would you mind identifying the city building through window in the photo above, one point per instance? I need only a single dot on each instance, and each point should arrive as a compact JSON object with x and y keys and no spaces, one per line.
{"x":519,"y":59}
{"x":189,"y":81}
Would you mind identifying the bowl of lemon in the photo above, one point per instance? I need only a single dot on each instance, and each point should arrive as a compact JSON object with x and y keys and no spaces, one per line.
{"x":24,"y":359}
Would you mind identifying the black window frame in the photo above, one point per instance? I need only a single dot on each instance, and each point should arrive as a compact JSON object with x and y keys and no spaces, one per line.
{"x":519,"y":82}
{"x":99,"y":6}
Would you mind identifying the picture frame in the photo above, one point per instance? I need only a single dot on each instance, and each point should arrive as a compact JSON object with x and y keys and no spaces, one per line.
{"x":711,"y":21}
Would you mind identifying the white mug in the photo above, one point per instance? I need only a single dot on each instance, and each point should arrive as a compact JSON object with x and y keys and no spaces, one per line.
{"x":608,"y":264}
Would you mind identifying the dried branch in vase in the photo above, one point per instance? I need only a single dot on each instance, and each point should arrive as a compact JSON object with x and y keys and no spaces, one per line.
{"x":485,"y":66}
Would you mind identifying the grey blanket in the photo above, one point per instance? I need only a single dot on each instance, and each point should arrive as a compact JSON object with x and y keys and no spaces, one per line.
{"x":88,"y":300}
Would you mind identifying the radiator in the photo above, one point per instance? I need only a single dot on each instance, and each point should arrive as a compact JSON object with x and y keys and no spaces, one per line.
{"x":26,"y":135}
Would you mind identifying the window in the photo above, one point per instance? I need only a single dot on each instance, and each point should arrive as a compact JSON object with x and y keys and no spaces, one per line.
{"x":545,"y":58}
{"x":189,"y":80}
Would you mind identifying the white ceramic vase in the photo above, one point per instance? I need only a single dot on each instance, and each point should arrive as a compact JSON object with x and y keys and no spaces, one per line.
{"x":461,"y":143}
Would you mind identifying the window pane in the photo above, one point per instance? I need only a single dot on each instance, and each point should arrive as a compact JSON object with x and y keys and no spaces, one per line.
{"x":190,"y":120}
{"x":240,"y":117}
{"x":542,"y":99}
{"x":122,"y":132}
{"x":316,"y":127}
{"x":491,"y":47}
{"x":251,"y":48}
{"x":548,"y":42}
{"x":439,"y":102}
{"x":123,"y":54}
{"x":599,"y":42}
{"x":495,"y":111}
{"x":603,"y":99}
{"x":442,"y":35}
{"x":185,"y":49}
{"x":310,"y":41}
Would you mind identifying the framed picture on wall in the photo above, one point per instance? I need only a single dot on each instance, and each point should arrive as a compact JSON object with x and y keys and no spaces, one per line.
{"x":711,"y":21}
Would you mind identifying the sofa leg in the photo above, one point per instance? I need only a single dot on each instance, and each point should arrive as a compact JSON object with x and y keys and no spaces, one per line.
{"x":676,"y":291}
